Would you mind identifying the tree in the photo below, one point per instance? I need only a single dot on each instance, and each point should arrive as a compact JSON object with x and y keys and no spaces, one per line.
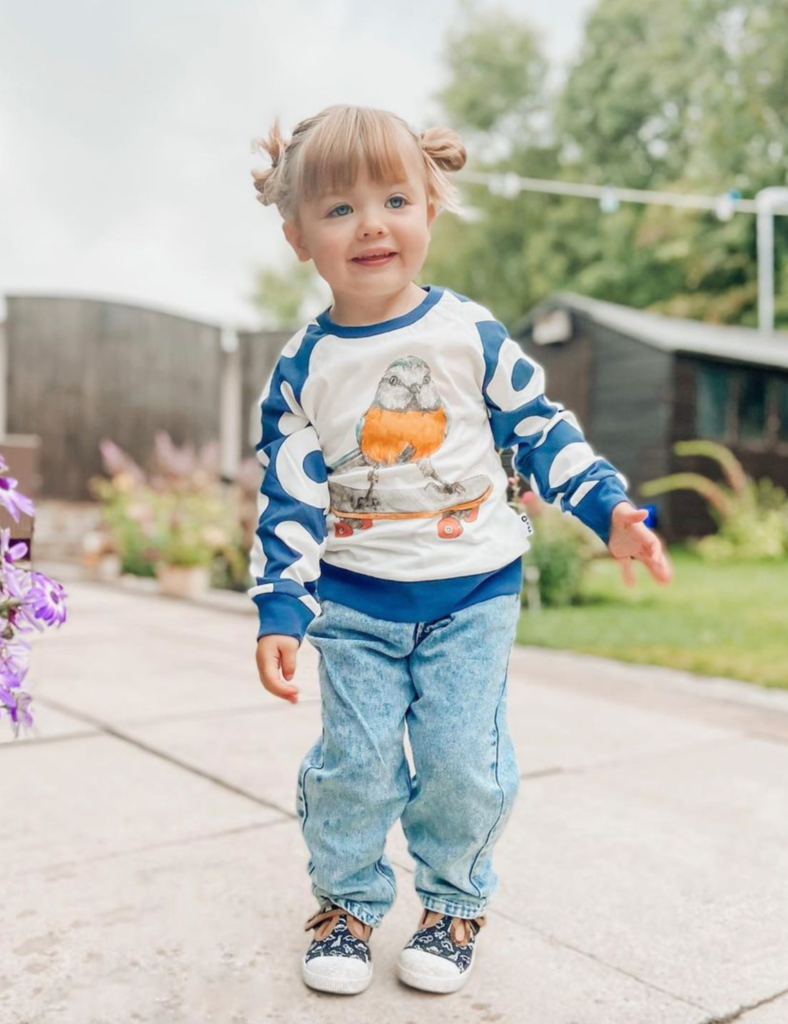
{"x":690,"y":96}
{"x":287,"y":297}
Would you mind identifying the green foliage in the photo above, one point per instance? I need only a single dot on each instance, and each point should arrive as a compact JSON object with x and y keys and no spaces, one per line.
{"x":561,"y":548}
{"x":125,"y":529}
{"x":752,"y":516}
{"x":716,"y":619}
{"x":496,"y":73}
{"x":689,"y":97}
{"x":285,"y":295}
{"x":181,"y":514}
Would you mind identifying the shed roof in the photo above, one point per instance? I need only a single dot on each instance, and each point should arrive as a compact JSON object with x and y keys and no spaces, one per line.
{"x":673,"y":334}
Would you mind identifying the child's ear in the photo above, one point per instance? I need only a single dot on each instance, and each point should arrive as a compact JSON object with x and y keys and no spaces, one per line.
{"x":431,"y":213}
{"x":295,"y":238}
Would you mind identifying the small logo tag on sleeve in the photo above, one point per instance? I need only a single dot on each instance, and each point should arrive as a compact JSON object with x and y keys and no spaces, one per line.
{"x":526,"y":524}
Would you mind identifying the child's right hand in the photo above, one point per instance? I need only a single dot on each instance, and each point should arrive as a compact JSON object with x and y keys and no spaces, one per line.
{"x":275,"y":652}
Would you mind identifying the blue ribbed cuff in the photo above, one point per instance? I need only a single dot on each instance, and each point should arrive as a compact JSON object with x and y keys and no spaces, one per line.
{"x":282,"y":614}
{"x":596,"y":508}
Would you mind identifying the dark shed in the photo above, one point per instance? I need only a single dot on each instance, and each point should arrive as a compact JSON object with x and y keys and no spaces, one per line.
{"x":639,"y":381}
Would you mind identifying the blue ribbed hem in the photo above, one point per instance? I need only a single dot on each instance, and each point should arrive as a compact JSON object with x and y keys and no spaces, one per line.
{"x":420,"y":601}
{"x":282,"y":614}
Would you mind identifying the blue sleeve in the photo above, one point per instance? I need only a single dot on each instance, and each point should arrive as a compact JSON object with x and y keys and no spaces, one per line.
{"x":284,"y":561}
{"x":551,"y":452}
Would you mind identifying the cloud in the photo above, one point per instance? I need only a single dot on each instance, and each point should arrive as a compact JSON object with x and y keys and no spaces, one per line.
{"x":125,"y":165}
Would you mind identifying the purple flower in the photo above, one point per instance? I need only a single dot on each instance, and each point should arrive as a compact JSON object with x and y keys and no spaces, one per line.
{"x":14,"y":501}
{"x":27,"y":599}
{"x":47,"y":599}
{"x":16,"y":702}
{"x":9,"y":553}
{"x":14,"y":657}
{"x":16,"y":586}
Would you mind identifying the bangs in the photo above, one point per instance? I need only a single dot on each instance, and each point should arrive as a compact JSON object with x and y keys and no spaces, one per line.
{"x":346,"y":143}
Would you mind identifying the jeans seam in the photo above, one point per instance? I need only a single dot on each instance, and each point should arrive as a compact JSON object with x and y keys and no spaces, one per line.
{"x":316,"y":767}
{"x":500,"y":787}
{"x":386,"y":878}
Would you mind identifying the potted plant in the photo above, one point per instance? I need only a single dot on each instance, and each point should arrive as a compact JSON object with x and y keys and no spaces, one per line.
{"x":181,"y":524}
{"x":186,"y":538}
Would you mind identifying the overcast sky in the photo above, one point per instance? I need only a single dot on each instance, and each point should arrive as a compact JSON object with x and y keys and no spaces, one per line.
{"x":125,"y":130}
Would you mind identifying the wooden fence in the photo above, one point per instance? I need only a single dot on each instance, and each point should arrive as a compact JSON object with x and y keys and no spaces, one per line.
{"x":79,"y":370}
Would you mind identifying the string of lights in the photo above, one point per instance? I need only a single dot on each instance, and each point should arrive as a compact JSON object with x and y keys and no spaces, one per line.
{"x":767,"y":204}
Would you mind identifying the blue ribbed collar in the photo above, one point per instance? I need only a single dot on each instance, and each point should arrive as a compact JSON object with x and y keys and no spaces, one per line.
{"x":365,"y":330}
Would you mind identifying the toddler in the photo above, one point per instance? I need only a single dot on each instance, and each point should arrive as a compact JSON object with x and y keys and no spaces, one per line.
{"x":386,"y":538}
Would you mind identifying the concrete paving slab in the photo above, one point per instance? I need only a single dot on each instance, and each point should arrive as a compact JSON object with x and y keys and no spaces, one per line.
{"x":258,"y":751}
{"x":84,"y":798}
{"x":673,"y":869}
{"x":648,"y":844}
{"x":48,"y":724}
{"x":556,"y":730}
{"x":708,"y":699}
{"x":121,"y":658}
{"x":212,"y":931}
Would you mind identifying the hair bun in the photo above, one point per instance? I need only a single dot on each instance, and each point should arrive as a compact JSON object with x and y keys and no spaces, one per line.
{"x":274,"y":146}
{"x":444,"y":147}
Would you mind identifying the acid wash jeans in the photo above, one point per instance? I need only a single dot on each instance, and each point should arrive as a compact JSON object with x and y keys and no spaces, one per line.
{"x":448,"y":680}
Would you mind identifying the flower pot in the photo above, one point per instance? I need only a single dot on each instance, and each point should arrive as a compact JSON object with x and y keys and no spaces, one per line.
{"x":183,"y":580}
{"x":107,"y":568}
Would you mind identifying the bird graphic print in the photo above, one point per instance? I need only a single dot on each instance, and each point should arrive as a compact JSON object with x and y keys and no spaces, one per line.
{"x":407,"y":422}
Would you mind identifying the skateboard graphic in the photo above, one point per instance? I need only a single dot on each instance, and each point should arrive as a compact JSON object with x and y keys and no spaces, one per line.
{"x":354,"y":510}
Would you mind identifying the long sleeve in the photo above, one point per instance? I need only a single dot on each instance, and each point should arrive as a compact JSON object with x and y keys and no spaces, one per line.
{"x":284,"y":560}
{"x":551,"y":451}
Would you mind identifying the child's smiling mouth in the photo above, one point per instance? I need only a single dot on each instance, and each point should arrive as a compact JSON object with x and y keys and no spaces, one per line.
{"x":374,"y":260}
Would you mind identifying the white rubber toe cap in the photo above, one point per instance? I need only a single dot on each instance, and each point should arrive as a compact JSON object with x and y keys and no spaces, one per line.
{"x":430,"y":972}
{"x":346,"y":974}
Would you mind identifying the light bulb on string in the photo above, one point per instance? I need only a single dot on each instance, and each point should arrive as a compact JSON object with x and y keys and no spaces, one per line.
{"x":609,"y":201}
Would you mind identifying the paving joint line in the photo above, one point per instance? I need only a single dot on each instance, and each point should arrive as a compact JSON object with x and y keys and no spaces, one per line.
{"x":597,"y":960}
{"x":109,"y":730}
{"x":517,"y":920}
{"x":132,"y":850}
{"x":739,"y":1013}
{"x":635,"y":759}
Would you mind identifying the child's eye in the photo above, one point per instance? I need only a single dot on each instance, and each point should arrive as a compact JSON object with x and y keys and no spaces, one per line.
{"x":340,"y":207}
{"x":402,"y":199}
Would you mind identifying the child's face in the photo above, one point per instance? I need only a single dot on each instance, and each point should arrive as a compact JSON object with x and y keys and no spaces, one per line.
{"x":389,"y":217}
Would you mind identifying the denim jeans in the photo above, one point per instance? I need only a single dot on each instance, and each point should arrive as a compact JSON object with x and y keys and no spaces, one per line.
{"x":447,"y":680}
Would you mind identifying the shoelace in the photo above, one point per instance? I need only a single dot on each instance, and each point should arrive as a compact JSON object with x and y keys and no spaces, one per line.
{"x":461,"y":930}
{"x":324,"y":921}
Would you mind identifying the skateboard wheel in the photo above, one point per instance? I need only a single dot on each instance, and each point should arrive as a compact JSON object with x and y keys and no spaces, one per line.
{"x":343,"y":530}
{"x":472,"y":514}
{"x":365,"y":524}
{"x":449,"y":527}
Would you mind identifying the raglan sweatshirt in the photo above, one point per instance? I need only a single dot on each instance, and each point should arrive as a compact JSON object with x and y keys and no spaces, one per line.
{"x":382,"y":485}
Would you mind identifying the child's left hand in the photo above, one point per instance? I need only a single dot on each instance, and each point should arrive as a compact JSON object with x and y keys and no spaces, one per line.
{"x":630,"y":539}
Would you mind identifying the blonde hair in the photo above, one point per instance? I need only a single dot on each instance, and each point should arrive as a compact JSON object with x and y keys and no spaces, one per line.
{"x":326,"y":152}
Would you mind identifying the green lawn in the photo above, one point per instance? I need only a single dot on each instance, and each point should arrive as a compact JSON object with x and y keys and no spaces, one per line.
{"x":722,"y":620}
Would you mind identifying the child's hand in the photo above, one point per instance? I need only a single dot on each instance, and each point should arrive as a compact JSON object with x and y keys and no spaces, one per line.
{"x":273,"y":652}
{"x":629,"y":539}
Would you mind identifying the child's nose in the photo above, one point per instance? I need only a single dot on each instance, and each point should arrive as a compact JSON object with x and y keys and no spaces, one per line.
{"x":372,"y":224}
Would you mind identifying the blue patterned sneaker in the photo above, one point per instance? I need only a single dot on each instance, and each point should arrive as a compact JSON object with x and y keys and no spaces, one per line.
{"x":439,"y":957}
{"x":338,"y":958}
